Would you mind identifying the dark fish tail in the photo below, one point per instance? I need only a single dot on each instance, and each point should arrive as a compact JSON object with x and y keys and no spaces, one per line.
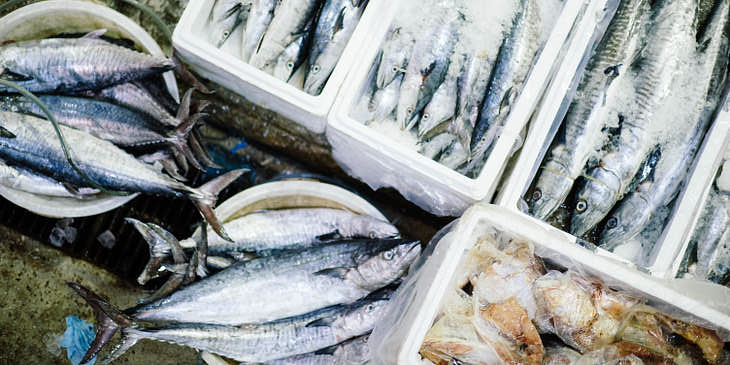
{"x":186,"y":75}
{"x":108,"y":320}
{"x":180,"y":136}
{"x":205,"y":196}
{"x":196,"y":145}
{"x":162,"y":246}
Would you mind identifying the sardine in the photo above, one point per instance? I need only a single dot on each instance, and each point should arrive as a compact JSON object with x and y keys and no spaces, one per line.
{"x":292,"y":57}
{"x":34,"y":144}
{"x":471,"y":89}
{"x":632,"y":214}
{"x":28,"y":181}
{"x":335,"y":26}
{"x":262,"y":11}
{"x":396,"y":52}
{"x":225,"y":17}
{"x":385,"y":100}
{"x":607,"y":182}
{"x":251,"y":342}
{"x":513,"y":63}
{"x":75,"y":64}
{"x":582,"y":135}
{"x":426,"y":68}
{"x":291,"y":19}
{"x":287,"y":285}
{"x":442,"y":106}
{"x":352,"y":352}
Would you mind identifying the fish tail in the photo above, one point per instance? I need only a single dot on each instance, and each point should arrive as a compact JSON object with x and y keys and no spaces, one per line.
{"x":196,"y":145}
{"x":205,"y":196}
{"x":161,"y":249}
{"x":186,"y":75}
{"x":180,"y":137}
{"x":130,"y":336}
{"x":108,"y":320}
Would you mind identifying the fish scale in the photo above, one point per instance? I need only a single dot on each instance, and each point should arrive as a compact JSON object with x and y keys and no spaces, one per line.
{"x":582,"y":135}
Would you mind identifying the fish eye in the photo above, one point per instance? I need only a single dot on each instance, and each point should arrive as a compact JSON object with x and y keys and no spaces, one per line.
{"x":226,"y":34}
{"x":394,"y":69}
{"x":388,"y":255}
{"x":426,"y":116}
{"x":612,"y":222}
{"x":315,"y":69}
{"x":536,"y":195}
{"x":409,"y":110}
{"x":365,"y":339}
{"x":370,"y":308}
{"x":290,"y":64}
{"x":581,"y":206}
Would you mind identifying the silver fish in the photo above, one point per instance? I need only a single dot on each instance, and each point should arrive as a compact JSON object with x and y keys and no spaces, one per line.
{"x":289,"y":60}
{"x":454,"y":156}
{"x":262,"y":11}
{"x":133,"y":96}
{"x":336,"y":23}
{"x":352,"y":352}
{"x":472,"y":86}
{"x":32,"y":142}
{"x":442,"y":106}
{"x":291,"y":19}
{"x":513,"y":63}
{"x":385,"y":100}
{"x":632,"y":214}
{"x":426,"y":69}
{"x":75,"y":64}
{"x":608,"y":181}
{"x":22,"y":179}
{"x":396,"y":52}
{"x":225,"y":17}
{"x":708,"y":238}
{"x":584,"y":121}
{"x":434,"y":146}
{"x":287,"y":285}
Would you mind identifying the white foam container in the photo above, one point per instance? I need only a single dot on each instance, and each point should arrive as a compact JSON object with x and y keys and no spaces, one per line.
{"x":674,"y":239}
{"x":44,"y":19}
{"x":216,"y":64}
{"x":377,"y":160}
{"x":404,"y":329}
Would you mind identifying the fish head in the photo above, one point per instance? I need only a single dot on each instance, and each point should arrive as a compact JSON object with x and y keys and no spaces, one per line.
{"x":552,"y":187}
{"x":318,"y":72}
{"x":407,"y":100}
{"x":355,"y":351}
{"x":388,"y":70}
{"x":454,"y":156}
{"x":284,"y":67}
{"x":375,"y":228}
{"x":594,"y":200}
{"x":360,"y":317}
{"x":378,"y":270}
{"x":625,"y":222}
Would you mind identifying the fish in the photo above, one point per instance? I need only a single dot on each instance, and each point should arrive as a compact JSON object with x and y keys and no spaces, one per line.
{"x":510,"y":71}
{"x":426,"y":68}
{"x":442,"y":106}
{"x":19,"y":178}
{"x":454,"y":156}
{"x":75,"y":64}
{"x":351,"y":352}
{"x":250,"y":342}
{"x":291,"y":58}
{"x":385,"y":100}
{"x":287,"y":285}
{"x":35,"y":145}
{"x":471,"y":89}
{"x":397,"y":50}
{"x":582,"y":132}
{"x":291,"y":19}
{"x":262,"y":11}
{"x":225,"y":17}
{"x":454,"y":340}
{"x":335,"y":25}
{"x":436,"y":145}
{"x":657,"y":67}
{"x":506,"y":327}
{"x":134,"y":96}
{"x":708,"y":238}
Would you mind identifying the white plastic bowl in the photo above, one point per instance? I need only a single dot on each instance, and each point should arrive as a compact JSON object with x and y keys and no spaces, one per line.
{"x":43,"y":19}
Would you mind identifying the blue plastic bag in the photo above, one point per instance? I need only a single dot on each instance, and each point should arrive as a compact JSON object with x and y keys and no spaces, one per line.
{"x":77,"y":339}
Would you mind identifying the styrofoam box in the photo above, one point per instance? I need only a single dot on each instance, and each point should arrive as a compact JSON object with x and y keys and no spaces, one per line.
{"x":381,"y":162}
{"x":423,"y":298}
{"x":545,"y":124}
{"x":190,"y":39}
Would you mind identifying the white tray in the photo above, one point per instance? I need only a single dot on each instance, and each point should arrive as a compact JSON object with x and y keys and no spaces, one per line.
{"x":224,"y":68}
{"x":378,"y":161}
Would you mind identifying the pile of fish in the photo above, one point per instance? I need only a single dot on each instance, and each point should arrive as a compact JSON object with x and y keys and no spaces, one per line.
{"x":279,"y":36}
{"x":98,"y":92}
{"x":637,"y":120}
{"x":507,"y":308}
{"x":295,"y":285}
{"x":437,"y":80}
{"x":709,"y":248}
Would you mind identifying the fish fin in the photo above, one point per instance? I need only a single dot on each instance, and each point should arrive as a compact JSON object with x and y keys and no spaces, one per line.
{"x":331,"y":236}
{"x":242,"y":255}
{"x":427,"y":71}
{"x":436,"y":130}
{"x":206,"y":195}
{"x":186,"y":75}
{"x":94,"y":34}
{"x":171,"y":168}
{"x":184,"y":110}
{"x":200,"y":152}
{"x":339,"y":22}
{"x":335,"y":272}
{"x":129,"y":338}
{"x":108,"y":319}
{"x":201,"y":251}
{"x":74,"y":190}
{"x":172,"y":284}
{"x":4,"y":133}
{"x":179,"y":139}
{"x":178,"y":256}
{"x":175,"y":269}
{"x":322,"y":322}
{"x":14,"y":76}
{"x":506,"y":101}
{"x":180,"y":160}
{"x":160,"y":250}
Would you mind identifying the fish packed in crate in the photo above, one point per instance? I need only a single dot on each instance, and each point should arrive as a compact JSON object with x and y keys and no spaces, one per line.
{"x":708,"y":255}
{"x":448,"y":73}
{"x":278,"y":37}
{"x":118,"y":126}
{"x":299,"y":285}
{"x":508,"y":306}
{"x":640,"y":113}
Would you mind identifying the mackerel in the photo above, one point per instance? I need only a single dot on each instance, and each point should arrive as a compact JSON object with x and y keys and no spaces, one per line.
{"x":442,"y":106}
{"x":396,"y":52}
{"x":711,"y":235}
{"x":657,"y":68}
{"x":385,"y":100}
{"x":352,"y":352}
{"x":225,"y":17}
{"x":471,"y":89}
{"x":291,"y":58}
{"x":262,"y":11}
{"x":22,"y":179}
{"x":134,"y":96}
{"x":582,"y":132}
{"x":75,"y":64}
{"x":32,"y":142}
